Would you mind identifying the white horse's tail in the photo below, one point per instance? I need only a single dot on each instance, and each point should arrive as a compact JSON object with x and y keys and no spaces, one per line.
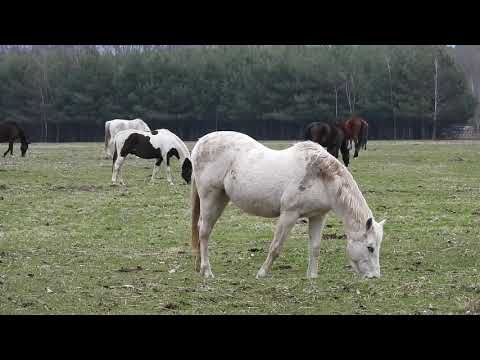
{"x":195,"y":232}
{"x":107,"y":135}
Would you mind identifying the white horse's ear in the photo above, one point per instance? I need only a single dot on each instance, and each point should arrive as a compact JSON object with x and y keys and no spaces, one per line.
{"x":381,"y":223}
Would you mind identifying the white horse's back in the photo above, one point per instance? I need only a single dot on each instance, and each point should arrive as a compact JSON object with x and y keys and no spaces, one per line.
{"x":257,"y":179}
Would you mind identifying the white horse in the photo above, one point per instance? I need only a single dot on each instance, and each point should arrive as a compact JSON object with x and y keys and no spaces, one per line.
{"x":158,"y":144}
{"x":301,"y":181}
{"x":112,"y":127}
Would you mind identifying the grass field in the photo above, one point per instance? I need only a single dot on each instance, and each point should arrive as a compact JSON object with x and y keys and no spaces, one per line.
{"x":72,"y":244}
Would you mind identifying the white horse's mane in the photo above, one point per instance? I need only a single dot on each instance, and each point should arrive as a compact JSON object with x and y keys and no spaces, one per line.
{"x":348,"y":195}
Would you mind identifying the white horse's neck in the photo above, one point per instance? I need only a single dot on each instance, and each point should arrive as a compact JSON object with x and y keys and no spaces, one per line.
{"x":350,"y":205}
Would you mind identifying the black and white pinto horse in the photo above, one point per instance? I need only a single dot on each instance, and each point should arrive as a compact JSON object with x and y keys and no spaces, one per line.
{"x":9,"y":132}
{"x":112,"y":127}
{"x":159,"y":144}
{"x":303,"y":180}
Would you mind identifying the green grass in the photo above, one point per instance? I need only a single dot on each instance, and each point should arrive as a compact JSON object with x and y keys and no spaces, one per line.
{"x":65,"y":233}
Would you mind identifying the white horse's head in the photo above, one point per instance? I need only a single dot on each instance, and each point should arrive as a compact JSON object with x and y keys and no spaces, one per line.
{"x":363,"y":249}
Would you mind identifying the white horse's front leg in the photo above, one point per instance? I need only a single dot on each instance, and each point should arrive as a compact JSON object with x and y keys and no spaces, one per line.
{"x":315,"y":227}
{"x":284,"y":225}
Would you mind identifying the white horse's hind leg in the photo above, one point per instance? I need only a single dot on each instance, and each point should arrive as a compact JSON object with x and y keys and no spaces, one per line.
{"x":211,"y":207}
{"x":315,"y":227}
{"x":284,"y":225}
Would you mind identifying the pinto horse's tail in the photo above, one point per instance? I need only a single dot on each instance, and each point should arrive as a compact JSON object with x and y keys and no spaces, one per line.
{"x":363,"y":135}
{"x":114,"y":158}
{"x":195,"y":232}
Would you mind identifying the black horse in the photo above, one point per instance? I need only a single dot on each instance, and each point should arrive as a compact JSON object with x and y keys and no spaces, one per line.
{"x":9,"y":132}
{"x":331,"y":137}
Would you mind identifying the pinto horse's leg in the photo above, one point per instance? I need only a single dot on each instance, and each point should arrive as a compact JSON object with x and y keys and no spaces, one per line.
{"x":169,"y":175}
{"x":211,"y":207}
{"x":315,"y":227}
{"x":117,"y":170}
{"x":156,"y":168}
{"x":284,"y":226}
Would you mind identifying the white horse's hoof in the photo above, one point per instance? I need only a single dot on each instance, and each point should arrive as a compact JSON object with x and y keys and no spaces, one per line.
{"x":206,"y":273}
{"x":261,"y":274}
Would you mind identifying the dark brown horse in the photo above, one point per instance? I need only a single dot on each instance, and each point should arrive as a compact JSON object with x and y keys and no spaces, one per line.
{"x":330,"y":137}
{"x":356,"y":130}
{"x":9,"y":132}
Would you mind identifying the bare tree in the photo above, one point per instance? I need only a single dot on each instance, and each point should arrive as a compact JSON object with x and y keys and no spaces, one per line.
{"x":468,"y":56}
{"x":350,"y":93}
{"x":394,"y":115}
{"x":435,"y":112}
{"x":43,"y":85}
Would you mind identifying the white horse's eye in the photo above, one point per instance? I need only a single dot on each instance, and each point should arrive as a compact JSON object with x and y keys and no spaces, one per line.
{"x":371,"y":249}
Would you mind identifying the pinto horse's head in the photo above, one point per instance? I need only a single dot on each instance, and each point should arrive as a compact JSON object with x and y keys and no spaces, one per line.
{"x":187,"y":170}
{"x":363,"y":248}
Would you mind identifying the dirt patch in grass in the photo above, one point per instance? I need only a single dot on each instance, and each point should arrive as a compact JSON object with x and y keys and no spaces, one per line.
{"x":333,"y":236}
{"x":87,"y":188}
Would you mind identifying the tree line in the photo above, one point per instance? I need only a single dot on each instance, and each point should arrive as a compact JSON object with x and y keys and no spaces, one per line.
{"x":66,"y":93}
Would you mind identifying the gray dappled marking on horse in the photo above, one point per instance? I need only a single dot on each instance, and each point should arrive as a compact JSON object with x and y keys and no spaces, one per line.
{"x":112,"y":127}
{"x":303,"y":180}
{"x":158,"y":144}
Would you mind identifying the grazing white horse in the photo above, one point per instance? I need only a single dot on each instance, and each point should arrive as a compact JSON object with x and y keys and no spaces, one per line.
{"x":303,"y":180}
{"x":112,"y":127}
{"x":158,"y":144}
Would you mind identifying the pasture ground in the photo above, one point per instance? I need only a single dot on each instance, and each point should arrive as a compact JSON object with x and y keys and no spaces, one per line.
{"x":72,"y":244}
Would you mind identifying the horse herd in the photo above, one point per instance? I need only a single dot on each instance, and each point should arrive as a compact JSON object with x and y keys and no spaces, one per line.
{"x":302,"y":181}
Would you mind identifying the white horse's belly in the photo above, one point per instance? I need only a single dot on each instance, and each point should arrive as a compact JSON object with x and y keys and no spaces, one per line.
{"x":256,"y":197}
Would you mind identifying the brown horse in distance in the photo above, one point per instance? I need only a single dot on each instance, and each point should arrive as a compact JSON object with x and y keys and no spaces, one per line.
{"x":330,"y":137}
{"x":356,"y":130}
{"x":9,"y":132}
